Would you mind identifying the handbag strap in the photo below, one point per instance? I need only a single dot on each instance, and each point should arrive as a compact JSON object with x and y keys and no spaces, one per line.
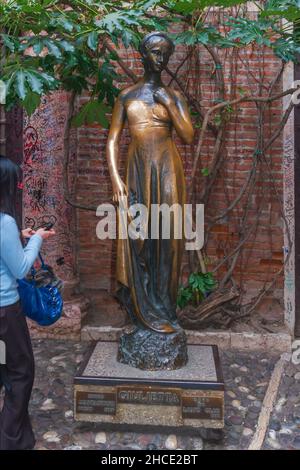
{"x":42,"y":261}
{"x":33,"y":270}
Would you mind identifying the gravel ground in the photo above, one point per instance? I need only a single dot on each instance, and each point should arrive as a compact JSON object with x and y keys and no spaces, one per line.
{"x":246,"y":379}
{"x":284,"y":425}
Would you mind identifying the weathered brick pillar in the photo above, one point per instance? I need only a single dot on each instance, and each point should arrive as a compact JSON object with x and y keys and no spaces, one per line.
{"x":43,"y":201}
{"x":289,"y":205}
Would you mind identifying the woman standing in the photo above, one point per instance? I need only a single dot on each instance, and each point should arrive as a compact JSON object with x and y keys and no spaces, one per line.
{"x":15,"y":262}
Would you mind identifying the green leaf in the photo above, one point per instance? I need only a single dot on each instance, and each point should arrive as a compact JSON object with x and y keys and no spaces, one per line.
{"x":102,"y":111}
{"x":147,"y":4}
{"x":184,"y":296}
{"x":187,"y":37}
{"x":290,"y":13}
{"x":8,"y":42}
{"x":203,"y":37}
{"x":38,"y":47}
{"x":201,"y":284}
{"x":126,"y":38}
{"x":66,"y":45}
{"x":20,"y":84}
{"x":31,"y":102}
{"x":92,"y":40}
{"x":113,"y":55}
{"x":34,"y":82}
{"x":67,"y":25}
{"x":48,"y":79}
{"x":190,"y":6}
{"x":205,"y":171}
{"x":75,"y":83}
{"x":117,"y":20}
{"x":61,"y":21}
{"x":53,"y":49}
{"x":92,"y":112}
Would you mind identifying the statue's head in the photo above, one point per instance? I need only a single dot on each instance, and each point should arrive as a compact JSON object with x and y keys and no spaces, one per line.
{"x":156,"y":49}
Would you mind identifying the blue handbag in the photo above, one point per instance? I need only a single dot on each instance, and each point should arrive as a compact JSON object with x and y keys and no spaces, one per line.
{"x":41,"y":303}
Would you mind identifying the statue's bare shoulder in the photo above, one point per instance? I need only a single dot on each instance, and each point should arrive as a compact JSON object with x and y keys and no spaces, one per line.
{"x":130,"y":93}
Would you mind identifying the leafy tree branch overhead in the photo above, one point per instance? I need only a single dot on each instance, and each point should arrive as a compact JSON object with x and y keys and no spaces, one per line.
{"x":50,"y":44}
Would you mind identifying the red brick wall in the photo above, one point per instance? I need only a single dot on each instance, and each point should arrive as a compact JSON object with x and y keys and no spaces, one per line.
{"x":262,"y":254}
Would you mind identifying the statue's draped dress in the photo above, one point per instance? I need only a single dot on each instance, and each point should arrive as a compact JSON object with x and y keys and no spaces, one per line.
{"x":148,"y":270}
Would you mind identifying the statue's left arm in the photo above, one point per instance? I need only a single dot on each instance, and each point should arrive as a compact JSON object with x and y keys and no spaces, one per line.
{"x":178,"y":111}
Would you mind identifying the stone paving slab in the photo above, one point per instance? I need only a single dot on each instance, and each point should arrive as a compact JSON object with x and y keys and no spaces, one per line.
{"x":246,"y":379}
{"x":284,"y":426}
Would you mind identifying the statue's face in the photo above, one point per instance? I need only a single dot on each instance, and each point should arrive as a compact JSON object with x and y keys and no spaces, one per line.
{"x":157,"y":54}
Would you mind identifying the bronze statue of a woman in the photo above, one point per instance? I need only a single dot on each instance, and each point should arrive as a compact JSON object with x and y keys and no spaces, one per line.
{"x":148,"y":270}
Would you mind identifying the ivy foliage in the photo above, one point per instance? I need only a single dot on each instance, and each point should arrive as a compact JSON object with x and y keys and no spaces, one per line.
{"x":49,"y":44}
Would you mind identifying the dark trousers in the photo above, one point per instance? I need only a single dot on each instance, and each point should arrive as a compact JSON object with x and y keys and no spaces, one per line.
{"x":15,"y":427}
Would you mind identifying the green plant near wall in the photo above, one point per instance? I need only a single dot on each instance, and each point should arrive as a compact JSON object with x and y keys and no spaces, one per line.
{"x":199,"y":286}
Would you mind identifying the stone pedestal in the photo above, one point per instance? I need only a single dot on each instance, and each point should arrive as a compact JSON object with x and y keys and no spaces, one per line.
{"x":148,"y":350}
{"x":115,"y":394}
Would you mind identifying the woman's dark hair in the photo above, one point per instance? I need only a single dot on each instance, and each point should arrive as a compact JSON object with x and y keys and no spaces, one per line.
{"x":147,"y":39}
{"x":10,"y":175}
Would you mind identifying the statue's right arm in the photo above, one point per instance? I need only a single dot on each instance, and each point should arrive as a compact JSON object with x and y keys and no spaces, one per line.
{"x":112,"y":149}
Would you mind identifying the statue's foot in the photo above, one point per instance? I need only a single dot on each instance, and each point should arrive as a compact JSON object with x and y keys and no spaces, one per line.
{"x":163,"y":327}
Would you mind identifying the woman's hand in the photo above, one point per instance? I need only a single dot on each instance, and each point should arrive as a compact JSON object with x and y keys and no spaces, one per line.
{"x":162,"y":96}
{"x":119,"y":190}
{"x":45,"y":233}
{"x":27,"y":233}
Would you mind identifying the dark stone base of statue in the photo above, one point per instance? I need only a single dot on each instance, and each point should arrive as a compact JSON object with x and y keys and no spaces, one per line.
{"x":148,"y":350}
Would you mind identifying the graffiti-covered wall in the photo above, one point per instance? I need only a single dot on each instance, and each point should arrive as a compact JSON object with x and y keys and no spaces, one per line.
{"x":43,"y":201}
{"x":14,"y":145}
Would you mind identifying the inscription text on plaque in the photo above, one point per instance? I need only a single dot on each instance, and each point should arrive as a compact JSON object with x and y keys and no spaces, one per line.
{"x":149,"y":396}
{"x":96,"y":403}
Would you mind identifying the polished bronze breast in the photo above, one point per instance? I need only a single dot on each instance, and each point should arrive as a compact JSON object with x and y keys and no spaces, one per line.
{"x":146,"y":115}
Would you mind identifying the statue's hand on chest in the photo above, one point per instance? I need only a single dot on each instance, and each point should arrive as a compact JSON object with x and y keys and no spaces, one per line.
{"x":162,"y":96}
{"x":148,"y":103}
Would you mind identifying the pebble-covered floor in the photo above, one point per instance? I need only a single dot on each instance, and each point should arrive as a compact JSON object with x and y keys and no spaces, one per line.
{"x":246,"y":379}
{"x":284,"y":426}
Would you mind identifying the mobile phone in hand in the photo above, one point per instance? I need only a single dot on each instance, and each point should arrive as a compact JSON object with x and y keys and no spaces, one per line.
{"x":48,"y":226}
